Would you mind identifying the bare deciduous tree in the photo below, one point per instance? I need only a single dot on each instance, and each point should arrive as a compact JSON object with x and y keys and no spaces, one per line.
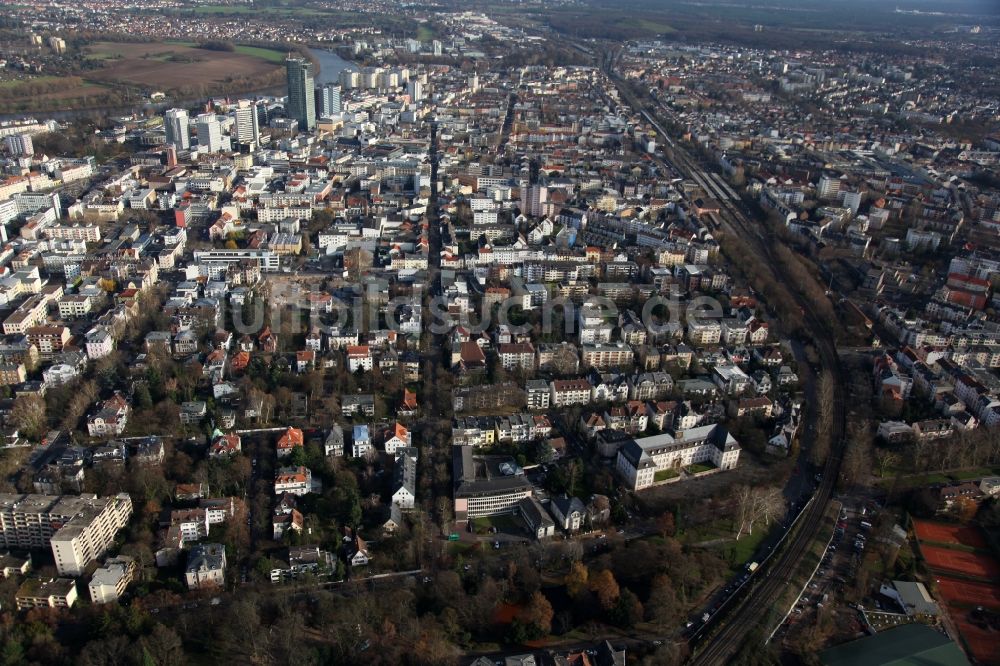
{"x":754,"y":505}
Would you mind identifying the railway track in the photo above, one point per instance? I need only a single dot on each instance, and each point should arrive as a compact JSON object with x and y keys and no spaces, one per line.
{"x":728,"y":628}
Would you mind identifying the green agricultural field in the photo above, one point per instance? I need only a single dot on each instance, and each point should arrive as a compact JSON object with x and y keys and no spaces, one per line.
{"x":647,"y":25}
{"x":271,"y":55}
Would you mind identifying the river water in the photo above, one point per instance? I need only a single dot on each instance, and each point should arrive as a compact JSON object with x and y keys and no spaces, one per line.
{"x":330,"y":67}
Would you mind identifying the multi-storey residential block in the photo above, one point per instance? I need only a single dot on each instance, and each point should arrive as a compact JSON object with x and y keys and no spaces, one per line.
{"x":78,"y":529}
{"x":639,"y":460}
{"x":566,"y":392}
{"x":110,"y":580}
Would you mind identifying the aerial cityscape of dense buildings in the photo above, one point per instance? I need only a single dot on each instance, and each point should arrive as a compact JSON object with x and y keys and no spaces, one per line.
{"x":341,"y":332}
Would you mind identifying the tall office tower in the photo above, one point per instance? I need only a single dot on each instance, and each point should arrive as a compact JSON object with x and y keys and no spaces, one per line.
{"x":328,"y":100}
{"x":209,"y":133}
{"x":301,"y":93}
{"x":416,"y":90}
{"x":19,"y":144}
{"x":246,"y":130}
{"x":263,"y":114}
{"x":436,"y":45}
{"x":175,"y":122}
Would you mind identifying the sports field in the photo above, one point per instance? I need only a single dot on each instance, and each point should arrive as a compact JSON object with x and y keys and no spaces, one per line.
{"x":981,"y":641}
{"x":959,"y":595}
{"x":961,"y":562}
{"x":968,"y":593}
{"x":944,"y":533}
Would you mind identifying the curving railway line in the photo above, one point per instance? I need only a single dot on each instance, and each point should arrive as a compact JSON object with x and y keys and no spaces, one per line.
{"x":726,"y":631}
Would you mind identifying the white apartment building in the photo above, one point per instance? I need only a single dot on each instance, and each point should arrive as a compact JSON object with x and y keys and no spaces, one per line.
{"x":566,"y":392}
{"x":518,"y":355}
{"x":639,"y":460}
{"x":73,"y":306}
{"x":109,"y":581}
{"x":607,"y":356}
{"x":206,"y":566}
{"x":294,"y":480}
{"x":99,"y":342}
{"x":215,"y":262}
{"x":91,"y":233}
{"x":28,"y":314}
{"x":47,"y":593}
{"x":704,"y":332}
{"x":78,"y":529}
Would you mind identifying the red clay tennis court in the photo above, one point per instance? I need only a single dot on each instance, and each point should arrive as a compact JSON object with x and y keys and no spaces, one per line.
{"x":982,"y":643}
{"x":961,"y":562}
{"x":943,"y":533}
{"x":968,"y":593}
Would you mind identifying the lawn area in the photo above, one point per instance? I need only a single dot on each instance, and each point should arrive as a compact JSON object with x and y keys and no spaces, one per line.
{"x":698,"y":468}
{"x":460,"y":548}
{"x":654,"y":26}
{"x":718,"y":536}
{"x":965,"y":474}
{"x":717,"y":529}
{"x":665,"y":474}
{"x":271,"y":55}
{"x":425,"y":34}
{"x":505,"y":523}
{"x":743,"y":550}
{"x":13,"y":83}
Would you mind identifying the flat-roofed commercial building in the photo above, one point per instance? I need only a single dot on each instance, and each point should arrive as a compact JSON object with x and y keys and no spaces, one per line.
{"x":486,"y":485}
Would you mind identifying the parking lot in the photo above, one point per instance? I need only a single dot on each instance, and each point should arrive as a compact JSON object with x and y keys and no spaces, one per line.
{"x":837,"y":568}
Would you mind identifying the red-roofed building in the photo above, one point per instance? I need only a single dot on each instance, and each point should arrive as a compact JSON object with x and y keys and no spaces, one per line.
{"x":359,"y":357}
{"x":400,"y":438}
{"x":225,"y":445}
{"x":293,"y":480}
{"x":409,"y":405}
{"x":305,"y":360}
{"x":291,"y":438}
{"x":470,"y":356}
{"x":239,"y":363}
